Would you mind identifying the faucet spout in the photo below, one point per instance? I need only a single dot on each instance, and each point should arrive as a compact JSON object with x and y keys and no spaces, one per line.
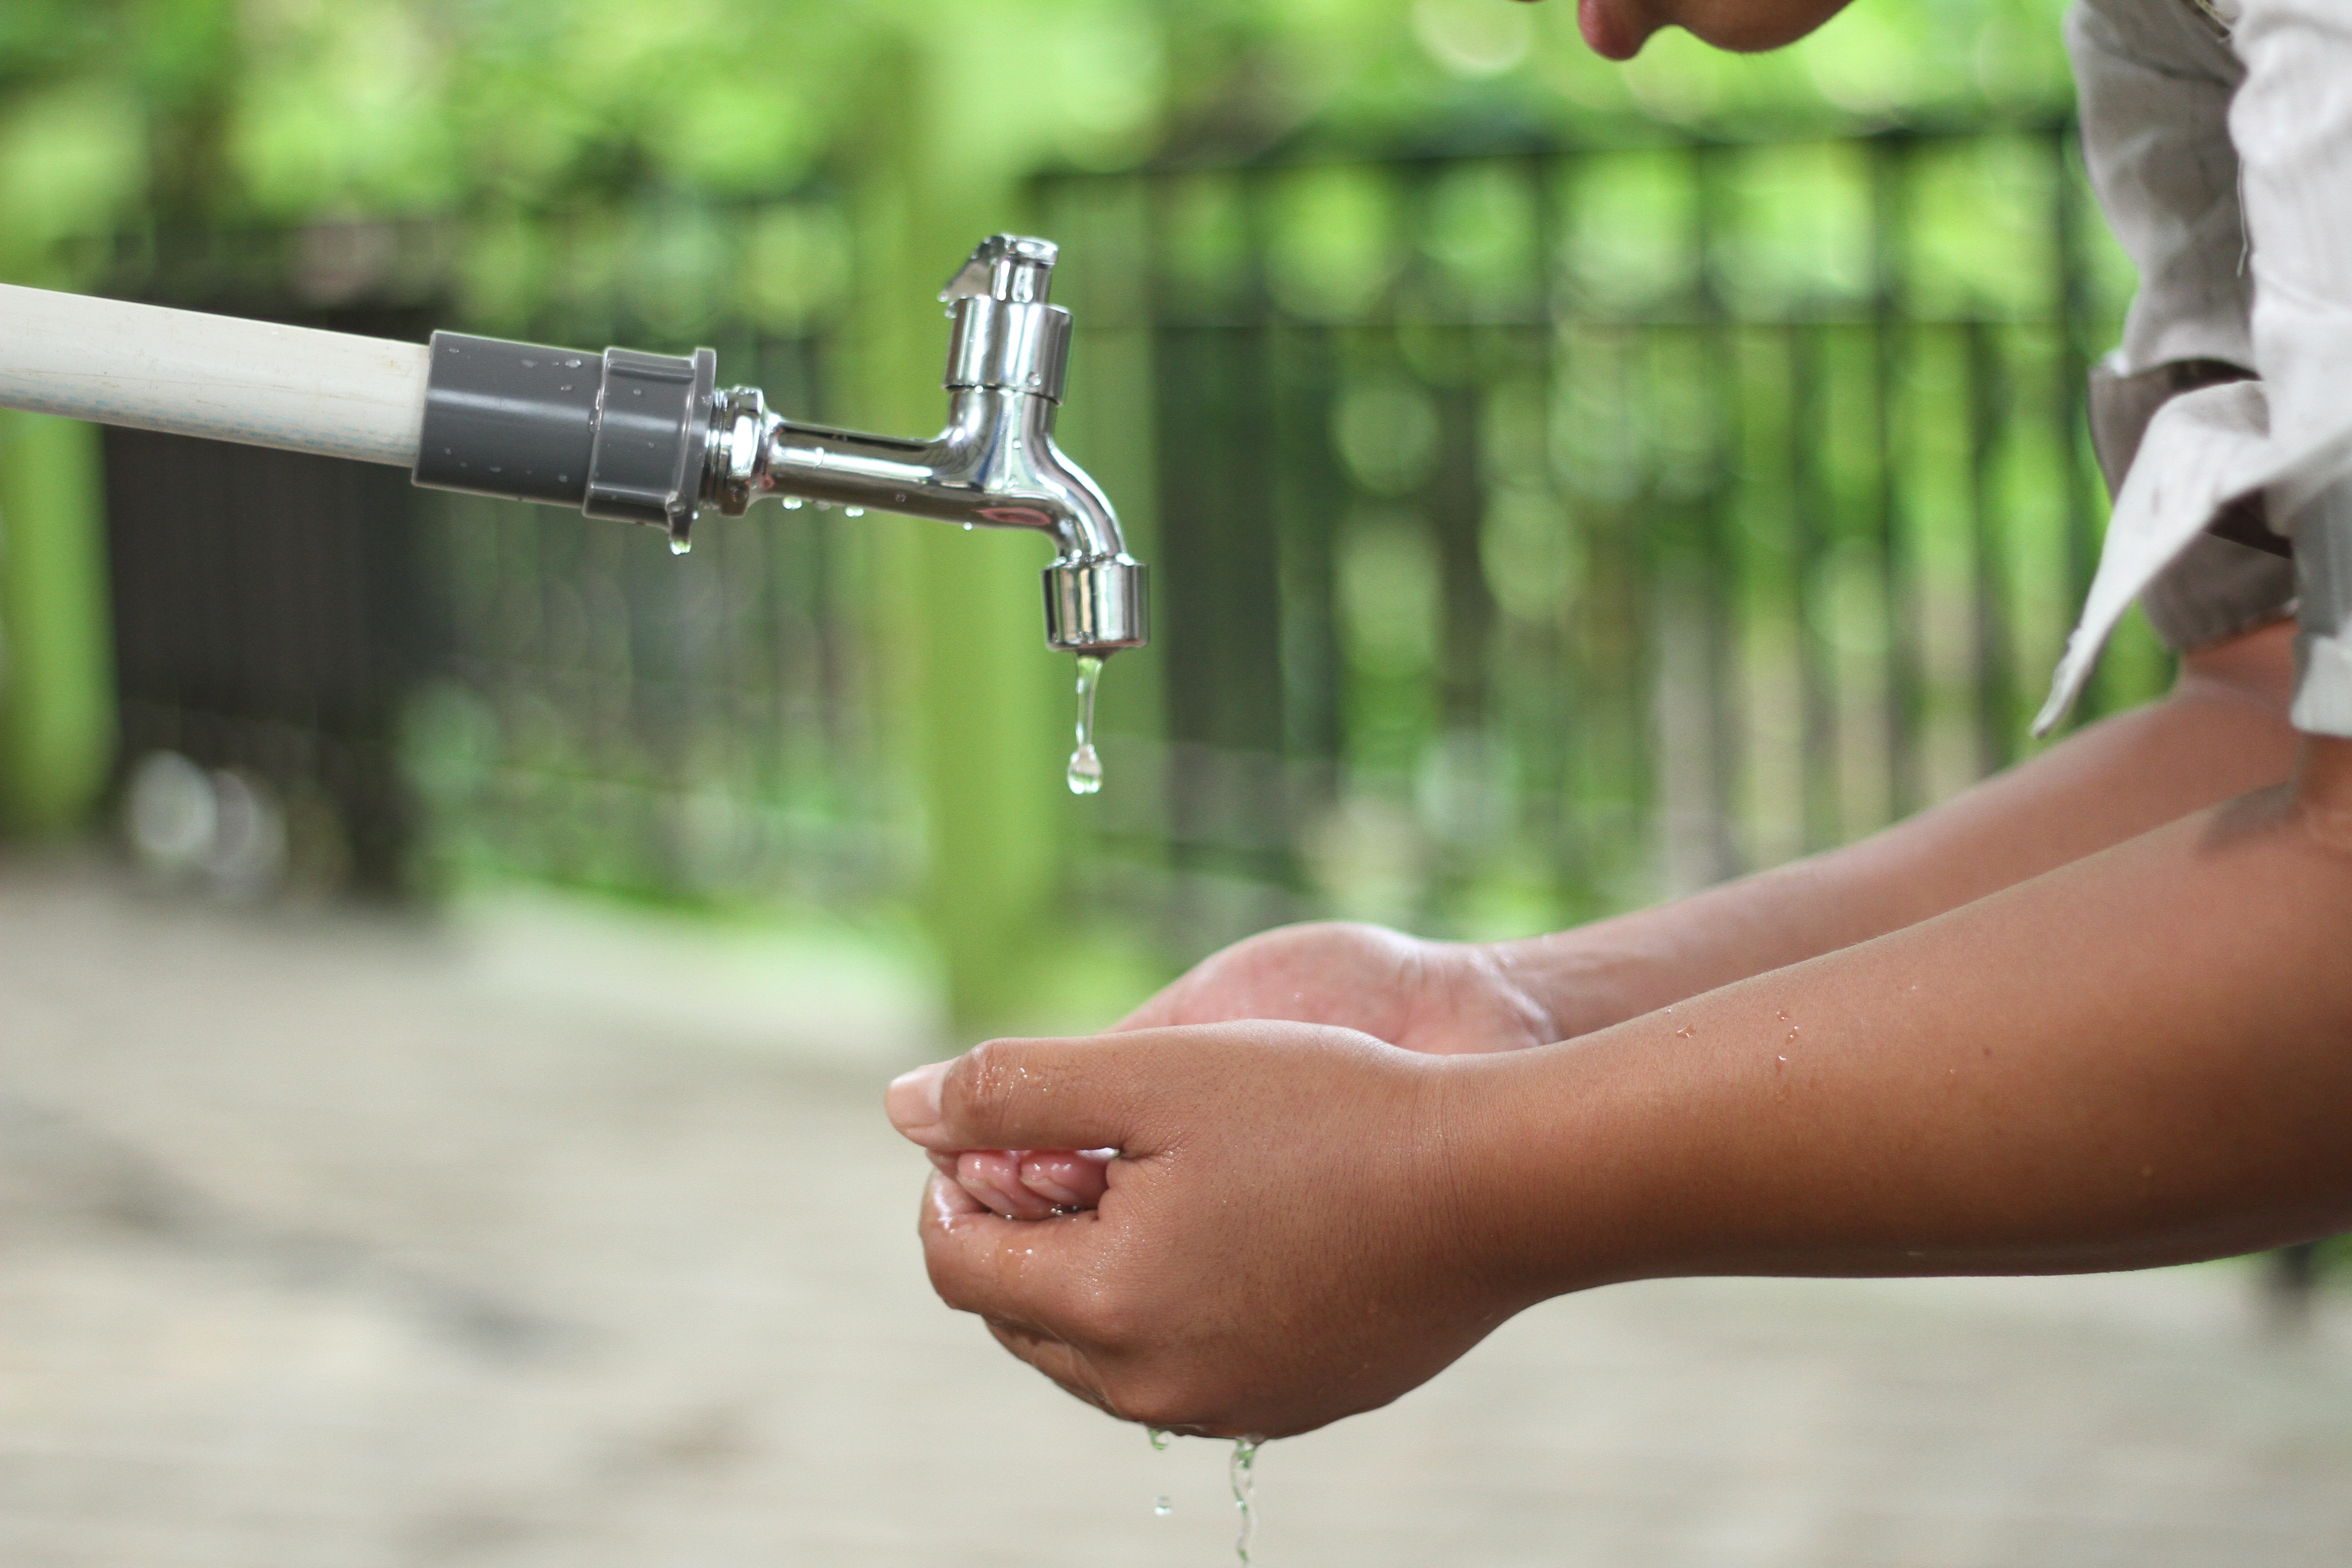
{"x":995,"y":464}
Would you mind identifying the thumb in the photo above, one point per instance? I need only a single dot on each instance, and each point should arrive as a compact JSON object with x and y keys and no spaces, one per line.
{"x":1024,"y":1094}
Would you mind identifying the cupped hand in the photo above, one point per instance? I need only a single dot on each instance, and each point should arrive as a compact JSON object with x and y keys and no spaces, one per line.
{"x":1442,"y":998}
{"x":1435,"y":997}
{"x":1288,"y":1233}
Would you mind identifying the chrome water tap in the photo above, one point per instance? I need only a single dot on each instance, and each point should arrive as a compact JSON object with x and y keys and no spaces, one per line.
{"x":995,"y":464}
{"x":651,"y":439}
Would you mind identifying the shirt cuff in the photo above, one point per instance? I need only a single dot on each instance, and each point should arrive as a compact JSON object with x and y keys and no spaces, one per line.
{"x":2216,"y":589}
{"x":2323,"y":644}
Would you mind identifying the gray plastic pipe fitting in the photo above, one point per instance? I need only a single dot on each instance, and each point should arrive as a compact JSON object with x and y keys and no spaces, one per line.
{"x":619,"y":436}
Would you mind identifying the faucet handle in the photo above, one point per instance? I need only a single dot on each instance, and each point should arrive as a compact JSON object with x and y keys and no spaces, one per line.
{"x":1011,"y":267}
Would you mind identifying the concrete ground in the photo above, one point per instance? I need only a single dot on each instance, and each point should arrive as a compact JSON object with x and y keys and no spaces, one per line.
{"x":328,"y":1242}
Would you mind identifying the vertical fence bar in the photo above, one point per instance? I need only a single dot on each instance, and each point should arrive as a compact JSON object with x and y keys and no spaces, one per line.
{"x":1719,"y":606}
{"x":1890,"y":166}
{"x":1995,"y":683}
{"x":58,"y":722}
{"x":1545,"y":772}
{"x":1809,"y":510}
{"x":2072,"y":369}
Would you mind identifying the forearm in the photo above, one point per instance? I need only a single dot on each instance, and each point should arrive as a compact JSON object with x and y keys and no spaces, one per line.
{"x":2221,"y":734}
{"x":2141,"y":1057}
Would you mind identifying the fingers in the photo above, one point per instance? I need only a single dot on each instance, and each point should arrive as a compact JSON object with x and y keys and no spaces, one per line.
{"x":1028,"y":1094}
{"x":995,"y":1177}
{"x":1069,"y":1178}
{"x":1029,"y":1184}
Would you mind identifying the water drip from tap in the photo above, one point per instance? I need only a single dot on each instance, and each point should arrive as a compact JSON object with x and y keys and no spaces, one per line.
{"x":1085,"y":773}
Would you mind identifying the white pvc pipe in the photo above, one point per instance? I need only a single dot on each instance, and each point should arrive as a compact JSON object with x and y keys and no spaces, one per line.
{"x":191,"y":374}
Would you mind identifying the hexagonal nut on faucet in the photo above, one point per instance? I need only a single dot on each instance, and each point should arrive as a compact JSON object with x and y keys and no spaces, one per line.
{"x":734,"y":474}
{"x":1015,"y":268}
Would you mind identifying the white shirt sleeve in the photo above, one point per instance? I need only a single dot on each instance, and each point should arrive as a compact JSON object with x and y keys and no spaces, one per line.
{"x":2291,"y":123}
{"x":2289,"y":436}
{"x":2152,"y":85}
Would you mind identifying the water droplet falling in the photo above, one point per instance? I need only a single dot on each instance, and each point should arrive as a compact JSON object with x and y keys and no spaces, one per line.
{"x":853,"y":511}
{"x":1243,"y":1473}
{"x":794,"y":503}
{"x":1086,"y":773}
{"x":1164,"y":1506}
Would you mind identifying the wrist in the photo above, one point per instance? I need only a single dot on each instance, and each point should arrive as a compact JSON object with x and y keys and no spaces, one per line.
{"x":1544,"y":1153}
{"x":2321,"y":789}
{"x":1581,"y":981}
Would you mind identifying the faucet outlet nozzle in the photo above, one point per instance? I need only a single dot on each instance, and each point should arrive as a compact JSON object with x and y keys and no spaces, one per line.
{"x":1094,"y":606}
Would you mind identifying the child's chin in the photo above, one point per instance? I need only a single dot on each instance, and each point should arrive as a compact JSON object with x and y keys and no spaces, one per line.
{"x":1606,"y":31}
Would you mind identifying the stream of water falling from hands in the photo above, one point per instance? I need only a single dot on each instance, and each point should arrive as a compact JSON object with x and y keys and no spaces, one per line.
{"x":1242,"y":1472}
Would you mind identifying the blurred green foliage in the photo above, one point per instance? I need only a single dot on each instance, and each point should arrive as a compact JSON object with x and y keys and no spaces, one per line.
{"x":203,"y":112}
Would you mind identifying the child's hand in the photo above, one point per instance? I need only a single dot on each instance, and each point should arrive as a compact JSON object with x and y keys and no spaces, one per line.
{"x":1291,"y":1232}
{"x":1440,"y":998}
